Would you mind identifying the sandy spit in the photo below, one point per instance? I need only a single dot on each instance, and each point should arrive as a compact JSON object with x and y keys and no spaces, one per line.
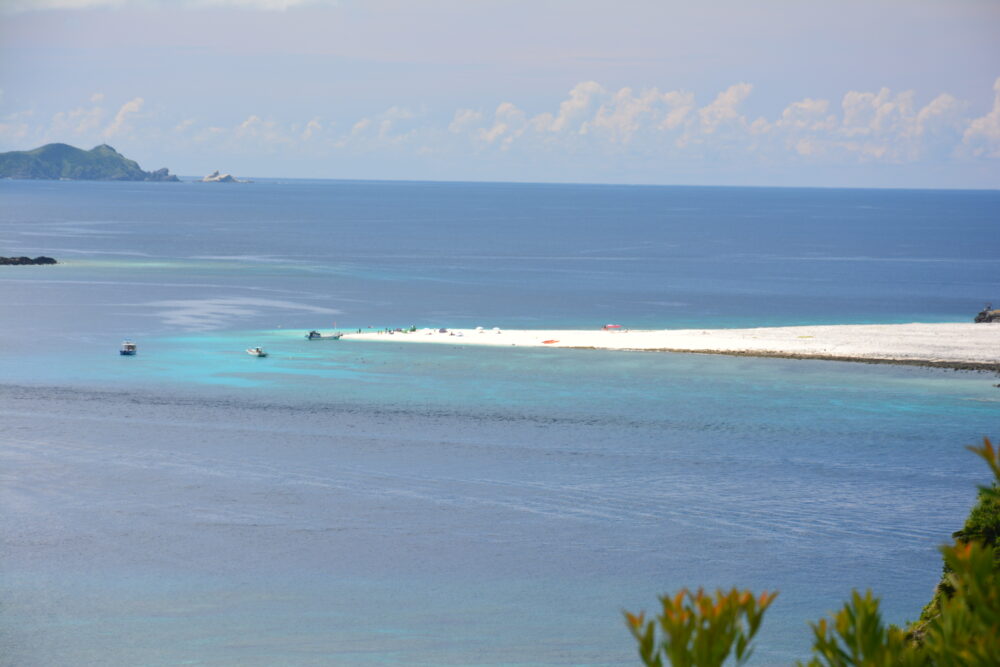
{"x":949,"y":345}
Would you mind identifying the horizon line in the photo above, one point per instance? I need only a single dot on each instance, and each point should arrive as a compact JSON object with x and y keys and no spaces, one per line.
{"x":197,"y":179}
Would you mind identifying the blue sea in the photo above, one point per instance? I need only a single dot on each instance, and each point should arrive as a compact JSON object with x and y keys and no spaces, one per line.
{"x":378,"y":503}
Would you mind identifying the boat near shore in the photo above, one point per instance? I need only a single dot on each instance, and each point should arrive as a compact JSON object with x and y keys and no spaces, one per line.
{"x":988,"y":314}
{"x":315,"y":335}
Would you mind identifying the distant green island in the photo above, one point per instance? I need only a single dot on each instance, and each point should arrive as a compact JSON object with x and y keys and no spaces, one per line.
{"x":65,"y":162}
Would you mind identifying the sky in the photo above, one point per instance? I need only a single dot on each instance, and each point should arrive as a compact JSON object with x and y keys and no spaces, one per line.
{"x":873,"y":93}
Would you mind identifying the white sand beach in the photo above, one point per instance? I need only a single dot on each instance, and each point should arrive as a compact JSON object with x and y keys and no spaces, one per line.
{"x":960,"y":345}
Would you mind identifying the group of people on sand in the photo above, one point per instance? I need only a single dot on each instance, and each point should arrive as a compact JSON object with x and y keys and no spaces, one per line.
{"x":391,"y":331}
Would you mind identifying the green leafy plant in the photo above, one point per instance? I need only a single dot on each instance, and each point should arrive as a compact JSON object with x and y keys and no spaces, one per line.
{"x":700,"y":629}
{"x":856,"y":635}
{"x":960,"y":627}
{"x":982,"y":526}
{"x":967,"y":631}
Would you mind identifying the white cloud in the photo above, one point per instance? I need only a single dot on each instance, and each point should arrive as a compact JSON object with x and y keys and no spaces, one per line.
{"x":262,"y":136}
{"x":393,"y":127}
{"x":77,"y":122}
{"x":889,"y":127}
{"x":184,"y":125}
{"x":509,"y":123}
{"x":390,"y":119}
{"x":592,"y":125}
{"x":867,"y":114}
{"x":625,"y":115}
{"x":725,"y":108}
{"x":360,"y":126}
{"x":85,"y":125}
{"x":807,"y":147}
{"x":249,"y":126}
{"x":807,"y":114}
{"x":982,"y":136}
{"x":15,"y":129}
{"x":573,"y":111}
{"x":883,"y":126}
{"x":464,"y":119}
{"x":120,"y":124}
{"x":588,"y":118}
{"x":313,"y":128}
{"x":942,"y":109}
{"x":680,"y":105}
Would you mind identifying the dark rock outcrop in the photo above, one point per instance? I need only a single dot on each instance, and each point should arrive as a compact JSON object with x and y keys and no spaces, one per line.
{"x":65,"y":162}
{"x":988,"y":314}
{"x":26,"y":261}
{"x":161,"y":175}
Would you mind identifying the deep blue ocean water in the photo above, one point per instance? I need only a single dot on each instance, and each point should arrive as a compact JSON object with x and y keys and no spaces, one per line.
{"x":381,"y":503}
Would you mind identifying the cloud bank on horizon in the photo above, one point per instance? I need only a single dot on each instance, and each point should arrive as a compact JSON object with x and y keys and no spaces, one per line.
{"x":315,"y":95}
{"x":592,"y":122}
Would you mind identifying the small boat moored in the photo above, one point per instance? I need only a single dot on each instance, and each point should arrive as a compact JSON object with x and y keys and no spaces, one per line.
{"x":127,"y":349}
{"x":256,"y":352}
{"x":315,"y":335}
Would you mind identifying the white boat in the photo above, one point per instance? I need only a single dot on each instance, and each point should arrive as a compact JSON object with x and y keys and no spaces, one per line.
{"x":256,"y":352}
{"x":315,"y":335}
{"x":127,"y":349}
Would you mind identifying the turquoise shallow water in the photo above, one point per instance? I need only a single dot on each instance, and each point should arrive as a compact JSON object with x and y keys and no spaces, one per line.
{"x":436,"y":505}
{"x":383,"y":503}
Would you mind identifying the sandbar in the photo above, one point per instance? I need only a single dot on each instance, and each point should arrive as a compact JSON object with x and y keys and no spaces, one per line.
{"x":966,"y":346}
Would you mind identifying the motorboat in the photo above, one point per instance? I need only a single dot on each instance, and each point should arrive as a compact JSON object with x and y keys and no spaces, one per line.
{"x":256,"y":352}
{"x":315,"y":335}
{"x":127,"y":349}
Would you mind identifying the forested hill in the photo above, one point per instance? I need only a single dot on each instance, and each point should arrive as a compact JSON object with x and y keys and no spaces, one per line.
{"x":62,"y":161}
